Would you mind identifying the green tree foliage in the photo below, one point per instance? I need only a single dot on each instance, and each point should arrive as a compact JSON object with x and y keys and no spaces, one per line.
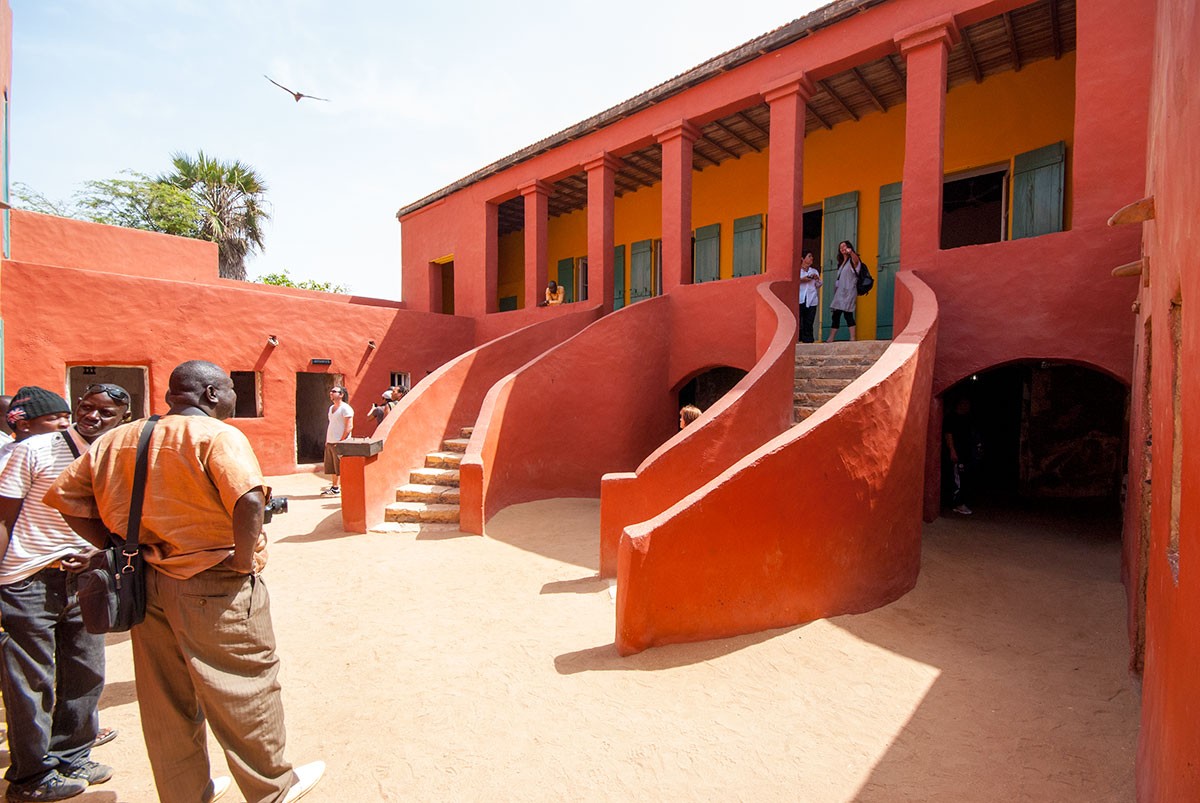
{"x":26,"y":197}
{"x":230,"y":196}
{"x":137,"y":202}
{"x":283,"y":279}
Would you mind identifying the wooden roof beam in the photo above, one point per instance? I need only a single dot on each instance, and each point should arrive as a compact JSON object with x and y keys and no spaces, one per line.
{"x":1012,"y":41}
{"x":1056,"y":37}
{"x":899,"y":76}
{"x":734,"y":135}
{"x":745,"y":119}
{"x":836,"y":99}
{"x":867,"y":88}
{"x":720,"y":147}
{"x":697,"y":152}
{"x":636,"y":162}
{"x":820,"y":119}
{"x":974,"y":62}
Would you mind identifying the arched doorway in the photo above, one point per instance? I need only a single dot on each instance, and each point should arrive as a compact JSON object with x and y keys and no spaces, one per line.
{"x":705,"y":388}
{"x":1041,"y":431}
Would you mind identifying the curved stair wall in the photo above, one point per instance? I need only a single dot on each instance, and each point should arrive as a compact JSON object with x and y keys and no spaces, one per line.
{"x":436,"y":408}
{"x":824,"y":519}
{"x":605,"y":399}
{"x":757,"y":409}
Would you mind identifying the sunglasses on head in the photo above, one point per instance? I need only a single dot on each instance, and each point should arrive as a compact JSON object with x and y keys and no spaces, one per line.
{"x":115,"y":392}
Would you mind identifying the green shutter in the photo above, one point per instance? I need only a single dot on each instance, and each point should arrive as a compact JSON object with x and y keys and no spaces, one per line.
{"x":748,"y":245}
{"x":618,"y":277}
{"x":566,"y":278}
{"x":839,"y":221}
{"x":889,"y":259}
{"x":706,"y":250}
{"x":641,"y":262}
{"x":508,"y":303}
{"x":1038,"y":181}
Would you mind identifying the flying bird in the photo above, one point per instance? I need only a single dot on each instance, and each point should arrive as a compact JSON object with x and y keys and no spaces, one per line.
{"x":296,"y":95}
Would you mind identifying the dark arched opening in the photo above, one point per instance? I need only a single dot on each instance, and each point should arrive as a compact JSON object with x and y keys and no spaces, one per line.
{"x":705,"y":388}
{"x":1041,"y":432}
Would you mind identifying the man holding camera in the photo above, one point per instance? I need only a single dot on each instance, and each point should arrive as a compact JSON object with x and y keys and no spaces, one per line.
{"x":206,"y":650}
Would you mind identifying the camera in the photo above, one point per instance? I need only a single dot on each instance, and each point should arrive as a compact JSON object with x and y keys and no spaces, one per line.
{"x":276,"y":504}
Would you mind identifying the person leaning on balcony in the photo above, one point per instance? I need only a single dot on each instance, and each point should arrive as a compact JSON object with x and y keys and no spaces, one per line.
{"x":810,"y":298}
{"x":845,"y":292}
{"x":554,"y":295}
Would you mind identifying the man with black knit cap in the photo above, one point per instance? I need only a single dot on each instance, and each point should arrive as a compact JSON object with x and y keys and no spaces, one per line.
{"x":52,"y":668}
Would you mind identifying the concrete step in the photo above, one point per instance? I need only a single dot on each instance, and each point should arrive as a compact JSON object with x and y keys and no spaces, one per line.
{"x":813,"y":400}
{"x":847,"y":372}
{"x":455,"y":445}
{"x":434,"y":476}
{"x":421,"y":512}
{"x":801,"y":413}
{"x":822,"y":385}
{"x":466,"y":432}
{"x":430,"y":494}
{"x":443,"y":460}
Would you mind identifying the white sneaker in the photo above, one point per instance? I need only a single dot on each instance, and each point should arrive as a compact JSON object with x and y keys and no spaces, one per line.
{"x":306,"y":778}
{"x":963,"y":510}
{"x":221,"y":785}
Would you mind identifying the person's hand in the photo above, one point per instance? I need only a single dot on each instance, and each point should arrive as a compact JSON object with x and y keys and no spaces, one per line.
{"x":78,"y":561}
{"x":260,"y":553}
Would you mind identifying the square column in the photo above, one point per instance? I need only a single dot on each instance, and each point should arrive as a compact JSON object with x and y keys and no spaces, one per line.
{"x":926,"y":50}
{"x":601,"y":182}
{"x":537,"y":225}
{"x":677,"y":141}
{"x":785,"y":183}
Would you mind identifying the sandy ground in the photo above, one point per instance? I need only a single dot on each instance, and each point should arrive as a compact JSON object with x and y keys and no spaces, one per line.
{"x":456,"y":668}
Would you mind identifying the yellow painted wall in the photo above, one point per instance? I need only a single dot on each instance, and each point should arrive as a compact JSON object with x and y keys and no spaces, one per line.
{"x":510,"y":280}
{"x":986,"y":124}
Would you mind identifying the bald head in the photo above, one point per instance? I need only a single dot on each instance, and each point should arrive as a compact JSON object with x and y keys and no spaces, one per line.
{"x":201,"y":385}
{"x":5,"y":401}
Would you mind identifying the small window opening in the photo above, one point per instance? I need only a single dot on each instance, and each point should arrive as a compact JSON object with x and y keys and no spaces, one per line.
{"x":248,"y":387}
{"x":974,"y":208}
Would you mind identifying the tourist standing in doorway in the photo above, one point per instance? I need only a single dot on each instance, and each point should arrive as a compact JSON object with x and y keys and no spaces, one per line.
{"x":810,"y":284}
{"x":341,"y":422}
{"x":845,"y":292}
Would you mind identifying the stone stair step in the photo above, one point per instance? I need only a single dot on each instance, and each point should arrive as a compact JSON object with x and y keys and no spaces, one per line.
{"x":455,"y":445}
{"x":431,"y":494}
{"x":421,"y":512}
{"x":434,"y":476}
{"x":848,"y":372}
{"x":466,"y":432}
{"x":813,"y":400}
{"x":822,"y":385}
{"x":443,"y":460}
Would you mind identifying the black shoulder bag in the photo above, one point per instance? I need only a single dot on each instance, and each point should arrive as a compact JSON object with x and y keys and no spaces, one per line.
{"x":112,"y":589}
{"x":865,"y":280}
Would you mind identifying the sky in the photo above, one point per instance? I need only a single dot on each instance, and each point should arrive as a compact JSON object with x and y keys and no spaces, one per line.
{"x":420,"y":95}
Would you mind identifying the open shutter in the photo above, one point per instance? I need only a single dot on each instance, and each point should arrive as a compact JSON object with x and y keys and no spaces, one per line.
{"x":641,"y":259}
{"x":839,"y":221}
{"x":1038,"y":181}
{"x":618,"y":277}
{"x":706,"y":259}
{"x":748,"y":245}
{"x":566,"y":278}
{"x":889,"y":259}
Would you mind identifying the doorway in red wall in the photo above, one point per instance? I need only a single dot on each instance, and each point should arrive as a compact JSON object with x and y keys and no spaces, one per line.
{"x":131,"y":377}
{"x":312,"y":414}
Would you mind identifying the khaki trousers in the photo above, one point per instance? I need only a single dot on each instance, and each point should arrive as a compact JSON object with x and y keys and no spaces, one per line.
{"x":206,"y":651}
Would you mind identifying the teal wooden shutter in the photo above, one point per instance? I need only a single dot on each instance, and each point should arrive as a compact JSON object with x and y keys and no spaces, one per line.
{"x":889,"y":259}
{"x":566,"y":278}
{"x":839,"y":221}
{"x":508,"y":303}
{"x":1038,"y":181}
{"x":641,"y":263}
{"x":748,"y":245}
{"x":706,"y":250}
{"x":582,"y":264}
{"x":618,"y":277}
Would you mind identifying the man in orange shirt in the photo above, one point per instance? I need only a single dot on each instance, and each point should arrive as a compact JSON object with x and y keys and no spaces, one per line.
{"x":206,"y":650}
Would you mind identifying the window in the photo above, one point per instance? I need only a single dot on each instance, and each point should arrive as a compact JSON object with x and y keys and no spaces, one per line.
{"x":748,"y":245}
{"x":248,"y":387}
{"x":400,"y":379}
{"x":641,"y":267}
{"x":706,"y":254}
{"x":618,"y":277}
{"x":1039,"y":177}
{"x":508,"y":303}
{"x":974,"y":206}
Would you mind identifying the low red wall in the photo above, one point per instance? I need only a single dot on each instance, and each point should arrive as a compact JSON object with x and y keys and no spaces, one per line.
{"x":598,"y":402}
{"x":753,"y":412}
{"x":439,"y":407}
{"x":69,"y":243}
{"x":1169,"y":736}
{"x":841,"y":538}
{"x":114,"y":319}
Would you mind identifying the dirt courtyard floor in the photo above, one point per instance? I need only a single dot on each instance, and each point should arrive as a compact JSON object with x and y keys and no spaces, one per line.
{"x":447,"y":667}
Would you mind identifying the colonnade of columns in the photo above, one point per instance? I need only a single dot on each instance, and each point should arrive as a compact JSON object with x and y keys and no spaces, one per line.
{"x":925,"y":49}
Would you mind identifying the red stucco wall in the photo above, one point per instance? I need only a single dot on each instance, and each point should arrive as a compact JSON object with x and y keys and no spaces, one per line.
{"x":756,"y":410}
{"x":1169,"y":739}
{"x":761,"y":545}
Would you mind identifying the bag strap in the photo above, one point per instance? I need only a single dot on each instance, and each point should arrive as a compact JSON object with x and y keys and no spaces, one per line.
{"x":130,"y":547}
{"x":66,"y":436}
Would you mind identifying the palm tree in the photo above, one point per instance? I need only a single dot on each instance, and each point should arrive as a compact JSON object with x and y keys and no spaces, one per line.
{"x":230,"y":197}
